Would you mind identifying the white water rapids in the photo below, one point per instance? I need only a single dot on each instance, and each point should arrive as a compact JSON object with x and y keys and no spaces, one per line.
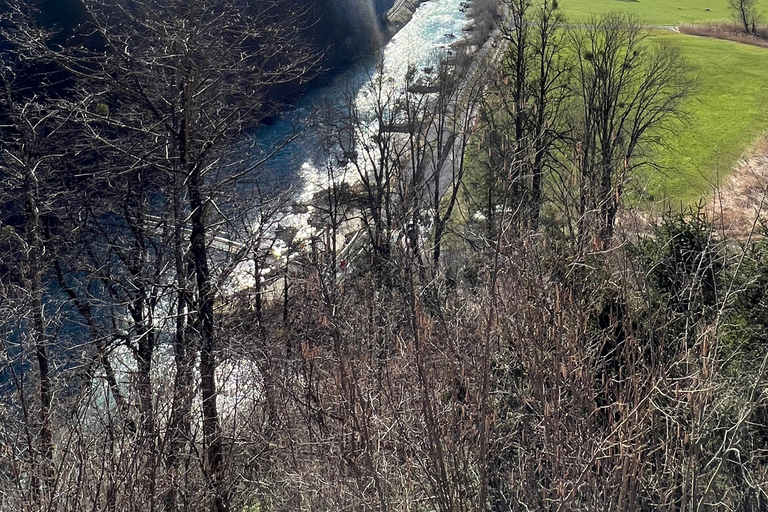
{"x":434,"y":26}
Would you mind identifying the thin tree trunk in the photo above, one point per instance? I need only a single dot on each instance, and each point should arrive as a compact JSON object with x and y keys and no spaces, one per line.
{"x":38,"y":334}
{"x":184,"y":358}
{"x":214,"y":458}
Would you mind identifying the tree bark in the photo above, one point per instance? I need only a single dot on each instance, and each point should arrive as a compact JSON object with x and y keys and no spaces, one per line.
{"x":214,"y":459}
{"x":37,"y":331}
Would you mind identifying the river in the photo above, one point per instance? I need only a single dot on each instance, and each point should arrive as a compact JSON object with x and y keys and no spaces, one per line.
{"x":434,"y":26}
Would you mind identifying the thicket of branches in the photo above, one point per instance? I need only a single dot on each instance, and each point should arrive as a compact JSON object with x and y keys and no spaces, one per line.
{"x":746,"y":14}
{"x":474,"y":324}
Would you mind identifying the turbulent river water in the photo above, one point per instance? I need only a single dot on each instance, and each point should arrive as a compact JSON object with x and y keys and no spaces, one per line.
{"x":434,"y":26}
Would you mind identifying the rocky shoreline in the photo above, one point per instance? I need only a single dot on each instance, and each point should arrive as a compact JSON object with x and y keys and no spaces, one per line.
{"x":394,"y":21}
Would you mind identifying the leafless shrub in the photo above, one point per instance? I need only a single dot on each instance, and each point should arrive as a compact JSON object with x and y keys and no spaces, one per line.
{"x":728,"y":32}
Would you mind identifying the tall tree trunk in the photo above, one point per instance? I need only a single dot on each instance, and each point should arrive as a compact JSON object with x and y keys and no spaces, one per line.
{"x":214,"y":458}
{"x":145,"y":342}
{"x":179,"y":426}
{"x":37,"y":331}
{"x":84,"y":308}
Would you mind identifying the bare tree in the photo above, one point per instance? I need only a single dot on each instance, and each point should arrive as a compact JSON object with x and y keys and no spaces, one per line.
{"x":370,"y":137}
{"x":441,"y":108}
{"x":406,"y":139}
{"x":535,"y":385}
{"x":522,"y":121}
{"x":177,"y":84}
{"x":30,"y":151}
{"x":746,"y":14}
{"x":626,"y":91}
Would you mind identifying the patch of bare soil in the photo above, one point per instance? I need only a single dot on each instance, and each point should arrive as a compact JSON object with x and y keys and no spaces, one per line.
{"x":743,"y":198}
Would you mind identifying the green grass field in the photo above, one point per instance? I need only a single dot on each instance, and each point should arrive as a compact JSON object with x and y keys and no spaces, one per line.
{"x":729,"y":108}
{"x":652,"y":12}
{"x":727,"y":114}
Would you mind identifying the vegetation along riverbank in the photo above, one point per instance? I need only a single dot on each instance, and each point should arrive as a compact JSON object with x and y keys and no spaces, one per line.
{"x":531,"y":275}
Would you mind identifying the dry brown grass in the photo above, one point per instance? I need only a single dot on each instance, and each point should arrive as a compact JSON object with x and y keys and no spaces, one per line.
{"x":742,"y":198}
{"x":728,"y":32}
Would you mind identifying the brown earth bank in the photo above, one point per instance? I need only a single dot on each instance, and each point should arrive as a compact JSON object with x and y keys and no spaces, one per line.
{"x":738,"y":207}
{"x":728,"y":32}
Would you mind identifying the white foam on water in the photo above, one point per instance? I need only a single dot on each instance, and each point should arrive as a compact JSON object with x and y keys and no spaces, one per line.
{"x":434,"y":26}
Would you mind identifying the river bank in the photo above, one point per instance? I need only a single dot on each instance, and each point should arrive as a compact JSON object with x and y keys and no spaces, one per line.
{"x":301,"y":168}
{"x":399,"y":15}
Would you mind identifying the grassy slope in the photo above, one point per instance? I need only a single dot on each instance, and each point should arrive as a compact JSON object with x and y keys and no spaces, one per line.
{"x":653,"y":12}
{"x":729,"y":109}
